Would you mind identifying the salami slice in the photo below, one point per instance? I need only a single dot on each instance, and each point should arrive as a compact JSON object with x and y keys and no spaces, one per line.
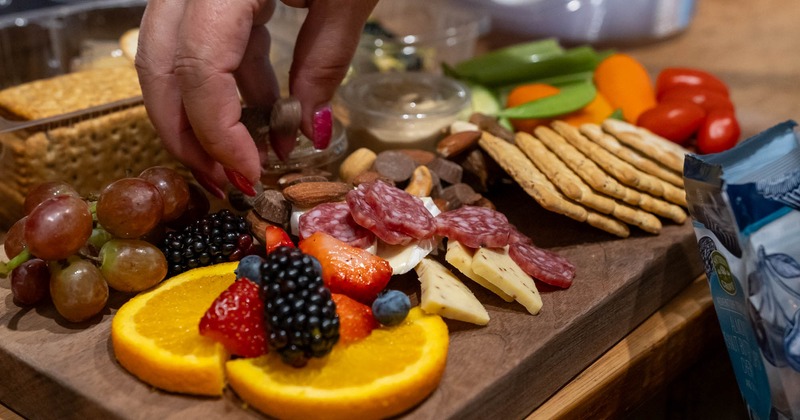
{"x":474,"y":227}
{"x":514,"y":236}
{"x":543,"y":265}
{"x":335,"y":220}
{"x":401,"y":211}
{"x":371,"y":218}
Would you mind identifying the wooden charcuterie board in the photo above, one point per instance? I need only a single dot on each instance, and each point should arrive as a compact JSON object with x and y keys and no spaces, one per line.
{"x":53,"y":369}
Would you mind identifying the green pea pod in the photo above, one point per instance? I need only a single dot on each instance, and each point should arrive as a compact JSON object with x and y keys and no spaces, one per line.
{"x":507,"y":57}
{"x":570,"y":98}
{"x":575,"y":60}
{"x":557,"y":81}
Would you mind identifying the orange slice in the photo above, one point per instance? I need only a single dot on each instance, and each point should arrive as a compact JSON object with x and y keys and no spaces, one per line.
{"x":155,"y":335}
{"x":385,"y":374}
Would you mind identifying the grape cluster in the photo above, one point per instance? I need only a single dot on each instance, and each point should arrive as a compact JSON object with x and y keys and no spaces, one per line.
{"x":74,"y":249}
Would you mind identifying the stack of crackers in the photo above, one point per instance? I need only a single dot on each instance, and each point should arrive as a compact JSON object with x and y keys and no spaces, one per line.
{"x":611,"y":176}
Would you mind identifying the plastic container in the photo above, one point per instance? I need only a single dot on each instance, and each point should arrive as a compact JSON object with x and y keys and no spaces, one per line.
{"x":400,"y":110}
{"x":419,"y":35}
{"x":605,"y":22}
{"x":306,"y":157}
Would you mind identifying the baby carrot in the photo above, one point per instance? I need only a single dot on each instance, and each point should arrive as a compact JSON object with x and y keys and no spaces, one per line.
{"x":625,"y":83}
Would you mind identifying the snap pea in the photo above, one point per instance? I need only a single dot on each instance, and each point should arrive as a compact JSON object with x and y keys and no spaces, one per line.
{"x":571,"y":98}
{"x":505,"y":72}
{"x":508,"y":57}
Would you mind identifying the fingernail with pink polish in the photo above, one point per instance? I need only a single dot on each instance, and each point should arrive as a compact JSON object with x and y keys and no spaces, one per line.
{"x":240,"y":182}
{"x":323,"y":127}
{"x":205,"y":181}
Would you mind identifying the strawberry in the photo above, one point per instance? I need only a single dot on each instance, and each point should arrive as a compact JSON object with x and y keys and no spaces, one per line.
{"x":236,"y":320}
{"x":355,"y":319}
{"x":275,"y":237}
{"x":346,"y":269}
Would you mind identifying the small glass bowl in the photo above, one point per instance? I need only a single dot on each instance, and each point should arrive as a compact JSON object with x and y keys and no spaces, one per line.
{"x":400,"y":110}
{"x":306,"y":157}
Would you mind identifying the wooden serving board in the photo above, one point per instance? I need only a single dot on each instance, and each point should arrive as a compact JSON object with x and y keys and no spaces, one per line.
{"x":50,"y":368}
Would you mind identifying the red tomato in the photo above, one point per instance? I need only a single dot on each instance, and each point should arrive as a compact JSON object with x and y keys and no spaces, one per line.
{"x":676,"y":76}
{"x":720,"y":131}
{"x":676,"y":121}
{"x":706,"y":98}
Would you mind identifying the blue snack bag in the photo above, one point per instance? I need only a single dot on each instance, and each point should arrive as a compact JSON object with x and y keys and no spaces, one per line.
{"x":745,"y":206}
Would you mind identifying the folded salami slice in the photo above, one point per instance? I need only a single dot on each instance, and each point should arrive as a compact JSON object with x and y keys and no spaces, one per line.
{"x":474,"y":227}
{"x":335,"y":220}
{"x":543,"y":265}
{"x":514,"y":236}
{"x":401,"y":211}
{"x":370,"y":217}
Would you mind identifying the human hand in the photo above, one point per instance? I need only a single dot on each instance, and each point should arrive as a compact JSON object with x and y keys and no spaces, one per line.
{"x":192,"y":56}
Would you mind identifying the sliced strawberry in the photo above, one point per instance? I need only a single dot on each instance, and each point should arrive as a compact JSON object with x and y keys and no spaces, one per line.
{"x":346,"y":269}
{"x":236,"y":320}
{"x":355,"y":319}
{"x":275,"y":237}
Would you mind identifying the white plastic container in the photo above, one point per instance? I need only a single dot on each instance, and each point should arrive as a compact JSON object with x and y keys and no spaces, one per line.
{"x":606,"y":22}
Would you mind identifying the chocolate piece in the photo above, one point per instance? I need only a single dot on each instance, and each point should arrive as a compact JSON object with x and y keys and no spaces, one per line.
{"x":460,"y":194}
{"x":447,"y":170}
{"x":273,"y":207}
{"x":394,"y":165}
{"x":369,"y":176}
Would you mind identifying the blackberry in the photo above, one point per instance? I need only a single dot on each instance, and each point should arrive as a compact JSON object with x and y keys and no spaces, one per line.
{"x":298,"y":308}
{"x":213,"y":239}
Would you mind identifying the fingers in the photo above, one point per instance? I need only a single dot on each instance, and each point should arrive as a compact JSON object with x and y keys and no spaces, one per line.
{"x":154,"y":62}
{"x":325,"y":46}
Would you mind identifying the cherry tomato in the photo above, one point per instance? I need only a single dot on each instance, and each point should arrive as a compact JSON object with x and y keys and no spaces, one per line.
{"x":676,"y":121}
{"x":672,"y":77}
{"x":706,"y":98}
{"x":719,"y":132}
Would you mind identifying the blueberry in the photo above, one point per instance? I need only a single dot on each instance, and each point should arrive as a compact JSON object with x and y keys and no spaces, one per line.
{"x":250,"y":268}
{"x":391,"y":307}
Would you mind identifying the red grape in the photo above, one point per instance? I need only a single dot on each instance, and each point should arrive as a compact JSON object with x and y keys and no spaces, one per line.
{"x":129,"y":207}
{"x":58,"y":227}
{"x":198,"y":207}
{"x":30,"y":282}
{"x":77,"y":288}
{"x":45,"y":190}
{"x":15,"y":238}
{"x":132,"y":265}
{"x":173,"y":188}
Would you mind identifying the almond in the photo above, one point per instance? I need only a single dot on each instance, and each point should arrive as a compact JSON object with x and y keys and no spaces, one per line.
{"x":458,"y":143}
{"x":309,"y":194}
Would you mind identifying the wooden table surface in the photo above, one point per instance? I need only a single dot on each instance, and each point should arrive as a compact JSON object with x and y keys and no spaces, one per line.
{"x":749,"y":45}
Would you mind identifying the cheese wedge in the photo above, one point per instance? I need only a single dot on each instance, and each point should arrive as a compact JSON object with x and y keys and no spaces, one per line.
{"x":460,"y":257}
{"x":445,"y":295}
{"x":403,"y":258}
{"x":497,"y":267}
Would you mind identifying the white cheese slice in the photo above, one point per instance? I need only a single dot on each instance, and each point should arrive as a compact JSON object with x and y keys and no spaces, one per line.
{"x":496,"y":266}
{"x":445,"y":295}
{"x":460,"y":257}
{"x":294,"y":220}
{"x":403,"y":258}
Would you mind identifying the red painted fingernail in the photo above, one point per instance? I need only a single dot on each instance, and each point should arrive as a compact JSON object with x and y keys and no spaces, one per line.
{"x":323,"y":127}
{"x":240,"y":182}
{"x":205,"y":181}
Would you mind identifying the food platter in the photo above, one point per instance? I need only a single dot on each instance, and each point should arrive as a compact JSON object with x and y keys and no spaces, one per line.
{"x":506,"y":368}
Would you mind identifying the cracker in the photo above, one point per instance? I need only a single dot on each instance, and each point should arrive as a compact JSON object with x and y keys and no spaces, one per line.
{"x":594,"y":175}
{"x":536,"y":184}
{"x":70,"y":92}
{"x":596,"y":134}
{"x":575,"y":188}
{"x":618,"y":168}
{"x":643,"y":140}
